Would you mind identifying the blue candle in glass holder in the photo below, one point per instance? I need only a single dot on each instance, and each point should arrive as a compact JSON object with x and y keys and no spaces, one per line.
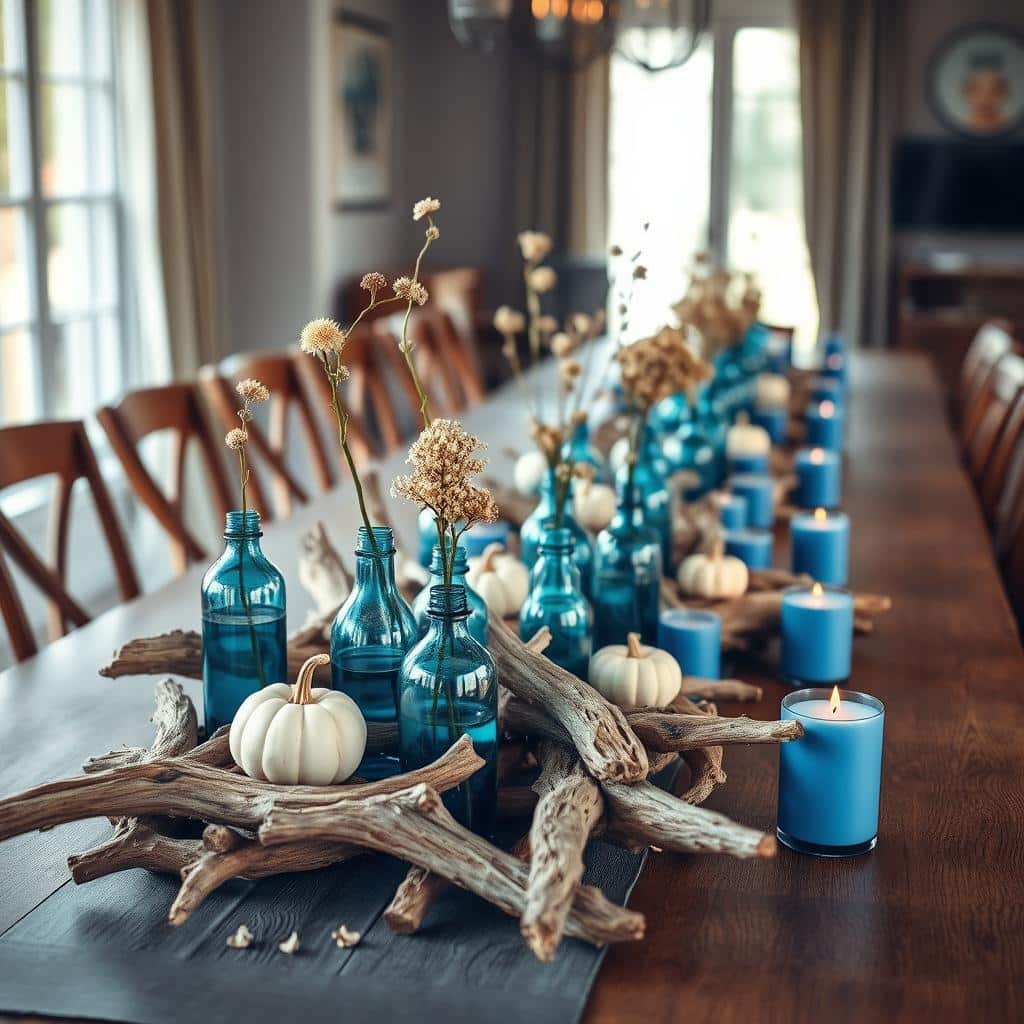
{"x":775,"y":421}
{"x":752,"y":547}
{"x":481,"y":535}
{"x":748,"y":463}
{"x":821,"y":545}
{"x":732,"y":510}
{"x":758,"y":489}
{"x":824,"y":421}
{"x":819,"y":476}
{"x":830,"y":779}
{"x":694,"y":639}
{"x":817,"y":634}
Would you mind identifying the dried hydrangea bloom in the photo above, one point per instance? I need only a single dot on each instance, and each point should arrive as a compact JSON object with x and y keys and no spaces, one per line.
{"x":508,"y":321}
{"x":425,"y":207}
{"x":236,"y":439}
{"x":373,"y":282}
{"x":659,"y":366}
{"x":411,"y":291}
{"x":542,"y":279}
{"x":252,"y":390}
{"x":321,"y":336}
{"x":534,"y":245}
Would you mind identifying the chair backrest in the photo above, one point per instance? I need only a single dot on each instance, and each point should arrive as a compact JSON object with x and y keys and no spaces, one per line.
{"x":457,"y":293}
{"x":1002,"y":392}
{"x":280,"y":372}
{"x":175,"y":408}
{"x":1001,"y":472}
{"x":990,"y":344}
{"x":61,"y":449}
{"x":436,"y":351}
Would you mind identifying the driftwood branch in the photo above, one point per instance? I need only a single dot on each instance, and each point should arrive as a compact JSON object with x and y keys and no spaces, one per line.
{"x":415,"y":826}
{"x":419,"y":890}
{"x":322,"y":571}
{"x":134,"y":845}
{"x":605,"y":743}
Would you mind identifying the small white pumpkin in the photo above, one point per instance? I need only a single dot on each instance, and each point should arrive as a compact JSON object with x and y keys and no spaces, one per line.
{"x":713,"y":575}
{"x":593,"y":505}
{"x":771,"y":391}
{"x":529,"y":472}
{"x":746,"y":438}
{"x":632,"y":675}
{"x":500,"y":579}
{"x":297,"y":735}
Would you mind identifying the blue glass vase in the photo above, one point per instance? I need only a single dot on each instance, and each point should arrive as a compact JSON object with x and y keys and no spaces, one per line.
{"x":578,"y":449}
{"x":477,"y":623}
{"x":448,"y":687}
{"x":426,"y":530}
{"x":542,"y":519}
{"x":372,"y":632}
{"x":245,"y":638}
{"x":555,"y":600}
{"x":627,"y":576}
{"x":650,"y":478}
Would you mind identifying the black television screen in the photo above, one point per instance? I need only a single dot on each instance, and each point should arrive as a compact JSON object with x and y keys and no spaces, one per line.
{"x":958,"y":186}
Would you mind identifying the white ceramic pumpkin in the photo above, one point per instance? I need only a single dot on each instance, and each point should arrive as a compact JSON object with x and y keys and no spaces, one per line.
{"x":500,"y":579}
{"x":771,"y":391}
{"x":593,"y":505}
{"x":529,"y":472}
{"x":713,"y":575}
{"x":631,"y":675}
{"x":746,"y":438}
{"x":298,"y":735}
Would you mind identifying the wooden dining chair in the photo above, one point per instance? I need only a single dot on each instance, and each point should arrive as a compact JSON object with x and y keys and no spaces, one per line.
{"x":1005,"y":386}
{"x":990,"y":344}
{"x":61,"y":449}
{"x":1001,"y":472}
{"x":173,"y":408}
{"x":280,"y":372}
{"x":458,"y":294}
{"x":439,"y":358}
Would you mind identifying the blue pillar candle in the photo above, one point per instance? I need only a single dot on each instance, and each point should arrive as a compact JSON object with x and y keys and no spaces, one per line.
{"x":775,"y":421}
{"x":481,"y":535}
{"x":819,"y":475}
{"x":694,"y":639}
{"x":830,"y":779}
{"x":752,"y":547}
{"x":759,"y":491}
{"x":817,"y":634}
{"x":834,"y":343}
{"x":824,"y":422}
{"x":821,"y":545}
{"x":732,"y":510}
{"x":748,"y":463}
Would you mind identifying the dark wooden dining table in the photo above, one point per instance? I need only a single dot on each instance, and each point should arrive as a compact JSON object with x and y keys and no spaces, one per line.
{"x":928,"y":926}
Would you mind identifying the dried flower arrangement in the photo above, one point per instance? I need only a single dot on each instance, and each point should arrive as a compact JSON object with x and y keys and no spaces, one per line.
{"x":719,"y":305}
{"x":549,"y":431}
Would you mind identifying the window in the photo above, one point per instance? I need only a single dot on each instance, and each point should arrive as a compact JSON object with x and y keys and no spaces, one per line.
{"x":710,"y":154}
{"x":61,"y":307}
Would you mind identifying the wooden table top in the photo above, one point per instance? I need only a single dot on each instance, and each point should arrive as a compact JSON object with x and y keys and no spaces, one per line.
{"x":927,"y":924}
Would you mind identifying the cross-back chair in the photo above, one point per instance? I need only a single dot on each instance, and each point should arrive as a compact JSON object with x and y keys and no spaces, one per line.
{"x":61,"y":449}
{"x":173,"y":408}
{"x":990,"y":344}
{"x":1006,"y":383}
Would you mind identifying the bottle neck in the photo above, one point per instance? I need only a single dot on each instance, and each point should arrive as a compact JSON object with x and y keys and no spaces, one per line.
{"x":630,"y":506}
{"x":242,"y":531}
{"x":555,"y":568}
{"x":375,"y":565}
{"x":459,"y":569}
{"x":448,"y":610}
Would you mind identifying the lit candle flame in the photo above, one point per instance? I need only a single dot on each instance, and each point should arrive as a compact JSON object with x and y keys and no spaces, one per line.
{"x":817,"y":455}
{"x":834,"y":699}
{"x":827,"y":409}
{"x":817,"y":590}
{"x":820,"y":515}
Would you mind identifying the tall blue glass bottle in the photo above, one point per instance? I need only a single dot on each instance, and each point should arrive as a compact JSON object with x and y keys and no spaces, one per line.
{"x":371,"y":635}
{"x":245,"y":638}
{"x":477,"y":622}
{"x":542,"y":519}
{"x":448,"y":687}
{"x":555,"y":600}
{"x":627,"y":576}
{"x":578,"y":449}
{"x":650,"y":478}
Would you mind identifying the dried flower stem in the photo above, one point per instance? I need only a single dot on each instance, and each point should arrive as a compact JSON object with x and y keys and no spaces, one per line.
{"x":405,"y":346}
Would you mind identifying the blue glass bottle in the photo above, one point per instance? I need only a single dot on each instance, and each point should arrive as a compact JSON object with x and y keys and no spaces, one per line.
{"x":426,"y":530}
{"x":578,"y":449}
{"x":555,"y":600}
{"x":245,"y":638}
{"x":477,"y":623}
{"x":448,"y":687}
{"x":542,"y":519}
{"x":627,"y":576}
{"x":650,"y":478}
{"x":372,"y":632}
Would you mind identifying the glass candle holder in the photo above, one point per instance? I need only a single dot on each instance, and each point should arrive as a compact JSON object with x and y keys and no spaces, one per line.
{"x":732,"y":510}
{"x":748,"y":463}
{"x":830,"y":779}
{"x":775,"y":421}
{"x":824,"y":422}
{"x":759,"y":491}
{"x":819,"y":477}
{"x":752,"y":547}
{"x":820,"y":543}
{"x":817,"y":634}
{"x":694,"y":639}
